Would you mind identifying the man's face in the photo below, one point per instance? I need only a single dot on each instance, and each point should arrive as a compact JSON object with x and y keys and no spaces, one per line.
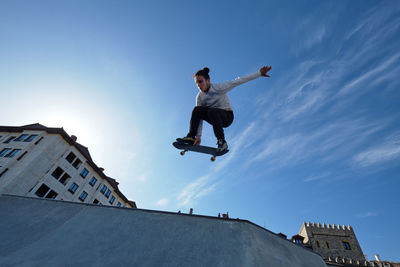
{"x":202,"y":83}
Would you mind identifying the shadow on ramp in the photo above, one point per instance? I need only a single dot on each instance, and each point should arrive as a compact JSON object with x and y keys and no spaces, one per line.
{"x":38,"y":232}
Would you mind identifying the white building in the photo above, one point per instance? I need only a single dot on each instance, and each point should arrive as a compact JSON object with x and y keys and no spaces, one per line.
{"x":38,"y":161}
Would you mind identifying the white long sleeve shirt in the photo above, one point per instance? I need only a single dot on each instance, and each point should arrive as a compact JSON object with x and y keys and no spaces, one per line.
{"x":216,"y":96}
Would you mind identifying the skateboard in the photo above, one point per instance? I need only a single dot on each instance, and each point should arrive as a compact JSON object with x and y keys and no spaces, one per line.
{"x":202,"y":149}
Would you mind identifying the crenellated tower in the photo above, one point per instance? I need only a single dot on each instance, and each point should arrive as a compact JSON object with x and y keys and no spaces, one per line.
{"x":332,"y":241}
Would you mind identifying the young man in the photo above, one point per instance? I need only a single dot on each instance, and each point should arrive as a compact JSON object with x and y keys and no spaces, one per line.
{"x":213,"y":106}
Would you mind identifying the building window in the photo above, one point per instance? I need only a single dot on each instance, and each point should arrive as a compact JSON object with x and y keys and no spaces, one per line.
{"x":70,"y":158}
{"x":108,"y":193}
{"x":84,"y":173}
{"x":64,"y":179}
{"x":318,"y":245}
{"x":346,"y":245}
{"x":3,"y":172}
{"x":83,"y":196}
{"x":57,"y":173}
{"x":21,"y":137}
{"x":12,"y":153}
{"x":119,"y":204}
{"x":327,"y":244}
{"x":93,"y":181}
{"x":30,"y":138}
{"x":112,"y":199}
{"x":43,"y":189}
{"x":40,"y":139}
{"x":73,"y":188}
{"x":103,"y":189}
{"x":9,"y":139}
{"x":77,"y":163}
{"x":20,"y":157}
{"x":4,"y":151}
{"x":51,"y":195}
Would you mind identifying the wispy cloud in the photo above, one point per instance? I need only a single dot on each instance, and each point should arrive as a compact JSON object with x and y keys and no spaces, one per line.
{"x":309,"y":33}
{"x":207,"y":184}
{"x":316,"y":177}
{"x":308,"y":114}
{"x":279,"y":150}
{"x":342,"y":76}
{"x":382,"y":68}
{"x":329,"y":85}
{"x":163,"y":202}
{"x":195,"y":190}
{"x":385,"y":152}
{"x":334,"y":140}
{"x":315,"y":37}
{"x":239,"y":143}
{"x":378,"y":23}
{"x":367,"y":214}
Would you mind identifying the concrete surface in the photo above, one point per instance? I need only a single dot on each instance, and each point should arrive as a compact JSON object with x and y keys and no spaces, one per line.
{"x":38,"y":232}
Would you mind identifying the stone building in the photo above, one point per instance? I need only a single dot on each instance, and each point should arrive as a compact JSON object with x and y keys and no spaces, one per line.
{"x":38,"y":161}
{"x":379,"y":263}
{"x":335,"y":243}
{"x":375,"y":263}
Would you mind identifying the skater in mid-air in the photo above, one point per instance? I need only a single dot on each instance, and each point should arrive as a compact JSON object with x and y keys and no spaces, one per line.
{"x":213,"y":106}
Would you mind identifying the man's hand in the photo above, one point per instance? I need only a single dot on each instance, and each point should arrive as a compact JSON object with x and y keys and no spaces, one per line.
{"x":264,"y":70}
{"x":198,"y":140}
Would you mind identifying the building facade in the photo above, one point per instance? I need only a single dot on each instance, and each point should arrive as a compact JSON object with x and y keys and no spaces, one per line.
{"x":335,"y":243}
{"x":38,"y":161}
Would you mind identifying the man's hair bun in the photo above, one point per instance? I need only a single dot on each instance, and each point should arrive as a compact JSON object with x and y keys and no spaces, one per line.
{"x":203,"y":72}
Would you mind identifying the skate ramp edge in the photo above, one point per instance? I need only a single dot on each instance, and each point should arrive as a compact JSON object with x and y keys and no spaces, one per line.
{"x":38,"y":232}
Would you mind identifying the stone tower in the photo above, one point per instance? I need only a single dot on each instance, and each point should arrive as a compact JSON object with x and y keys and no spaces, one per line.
{"x":332,"y":241}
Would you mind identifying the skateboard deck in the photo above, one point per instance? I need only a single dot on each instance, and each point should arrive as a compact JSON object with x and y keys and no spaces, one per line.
{"x":201,"y":149}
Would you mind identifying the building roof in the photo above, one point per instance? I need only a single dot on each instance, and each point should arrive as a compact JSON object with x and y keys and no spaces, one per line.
{"x":82,"y":149}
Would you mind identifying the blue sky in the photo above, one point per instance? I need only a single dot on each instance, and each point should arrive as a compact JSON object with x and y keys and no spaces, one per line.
{"x":319,"y":141}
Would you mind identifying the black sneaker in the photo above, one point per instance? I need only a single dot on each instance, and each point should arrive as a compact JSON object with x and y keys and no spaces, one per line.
{"x":222,"y":146}
{"x":186,"y":140}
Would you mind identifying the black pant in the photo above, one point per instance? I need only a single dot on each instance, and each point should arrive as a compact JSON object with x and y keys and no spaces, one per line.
{"x":218,"y":118}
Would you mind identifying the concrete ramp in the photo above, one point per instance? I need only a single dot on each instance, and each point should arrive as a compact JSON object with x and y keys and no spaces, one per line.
{"x":38,"y":232}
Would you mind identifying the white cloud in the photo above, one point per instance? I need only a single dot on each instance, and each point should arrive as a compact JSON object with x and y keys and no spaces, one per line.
{"x":297,"y":119}
{"x":335,"y":140}
{"x":388,"y":151}
{"x":141,"y":178}
{"x":195,"y":190}
{"x":284,"y":148}
{"x":382,"y":68}
{"x":315,"y":36}
{"x":309,"y":34}
{"x":162,"y":202}
{"x":313,"y":100}
{"x":206,"y":184}
{"x":316,"y":177}
{"x":239,"y":142}
{"x":367,"y":214}
{"x":376,"y":23}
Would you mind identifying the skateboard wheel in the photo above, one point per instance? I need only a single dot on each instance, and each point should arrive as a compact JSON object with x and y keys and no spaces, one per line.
{"x":213,"y":158}
{"x":182,"y":153}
